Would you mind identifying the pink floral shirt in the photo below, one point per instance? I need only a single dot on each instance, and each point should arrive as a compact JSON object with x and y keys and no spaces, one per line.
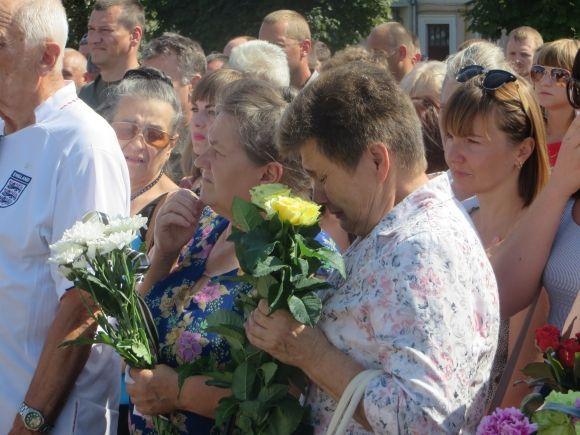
{"x":421,"y":303}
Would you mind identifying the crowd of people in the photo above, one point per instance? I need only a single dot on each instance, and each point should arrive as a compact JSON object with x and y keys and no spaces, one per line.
{"x":451,"y":189}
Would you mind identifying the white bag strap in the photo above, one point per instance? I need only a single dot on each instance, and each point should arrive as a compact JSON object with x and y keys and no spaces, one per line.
{"x":349,"y":401}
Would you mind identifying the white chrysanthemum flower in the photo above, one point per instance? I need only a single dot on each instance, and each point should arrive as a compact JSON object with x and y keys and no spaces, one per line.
{"x":124,"y":224}
{"x":65,"y":252}
{"x":118,"y":240}
{"x":84,"y":232}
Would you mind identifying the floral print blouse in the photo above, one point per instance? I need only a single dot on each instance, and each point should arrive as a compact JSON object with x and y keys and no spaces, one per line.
{"x":420,"y":302}
{"x":180,"y":316}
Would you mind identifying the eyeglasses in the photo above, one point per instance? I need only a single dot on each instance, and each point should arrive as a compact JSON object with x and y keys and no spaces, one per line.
{"x":492,"y":79}
{"x":558,"y":75}
{"x":153,"y":136}
{"x":574,"y":92}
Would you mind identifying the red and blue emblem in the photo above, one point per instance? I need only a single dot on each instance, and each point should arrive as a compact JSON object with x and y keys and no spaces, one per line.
{"x":13,"y":188}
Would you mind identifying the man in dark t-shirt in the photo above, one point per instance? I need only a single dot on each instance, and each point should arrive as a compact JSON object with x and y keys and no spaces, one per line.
{"x":115,"y":31}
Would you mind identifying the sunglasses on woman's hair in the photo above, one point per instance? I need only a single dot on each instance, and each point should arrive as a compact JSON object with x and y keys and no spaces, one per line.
{"x":153,"y":136}
{"x":492,"y":78}
{"x":148,"y":73}
{"x":574,"y":92}
{"x":558,"y":75}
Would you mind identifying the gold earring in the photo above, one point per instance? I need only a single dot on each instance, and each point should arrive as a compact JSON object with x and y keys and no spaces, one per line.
{"x":519,"y":165}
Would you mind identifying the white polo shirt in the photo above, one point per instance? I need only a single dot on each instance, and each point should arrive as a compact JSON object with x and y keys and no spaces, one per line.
{"x":51,"y":174}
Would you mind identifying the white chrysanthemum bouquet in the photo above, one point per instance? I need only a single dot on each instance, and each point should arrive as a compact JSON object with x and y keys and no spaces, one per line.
{"x":96,"y":255}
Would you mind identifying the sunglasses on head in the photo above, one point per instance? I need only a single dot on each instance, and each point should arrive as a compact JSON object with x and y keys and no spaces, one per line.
{"x":574,"y":92}
{"x":557,"y":75}
{"x":492,"y":78}
{"x":153,"y":136}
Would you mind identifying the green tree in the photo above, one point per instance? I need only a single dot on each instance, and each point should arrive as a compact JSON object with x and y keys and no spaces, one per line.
{"x":214,"y":22}
{"x":552,"y":18}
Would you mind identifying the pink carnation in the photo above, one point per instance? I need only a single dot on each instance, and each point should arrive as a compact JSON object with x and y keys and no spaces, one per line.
{"x":509,"y":421}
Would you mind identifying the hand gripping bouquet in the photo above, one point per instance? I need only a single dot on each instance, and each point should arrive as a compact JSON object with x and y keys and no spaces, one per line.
{"x":275,"y":244}
{"x":96,"y":255}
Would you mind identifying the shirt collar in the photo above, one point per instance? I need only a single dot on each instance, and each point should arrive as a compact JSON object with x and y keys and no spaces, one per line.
{"x":57,"y":101}
{"x":435,"y":192}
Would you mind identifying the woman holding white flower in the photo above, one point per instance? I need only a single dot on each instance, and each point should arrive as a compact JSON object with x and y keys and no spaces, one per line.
{"x":145,"y":113}
{"x":192,"y":255}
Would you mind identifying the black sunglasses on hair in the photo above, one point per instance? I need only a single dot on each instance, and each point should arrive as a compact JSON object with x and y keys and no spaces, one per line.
{"x":573,"y":93}
{"x":148,"y":74}
{"x":493,"y":78}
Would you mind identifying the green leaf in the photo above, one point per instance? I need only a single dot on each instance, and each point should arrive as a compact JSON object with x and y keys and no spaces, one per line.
{"x":267,"y":266}
{"x":537,"y":370}
{"x":269,"y":370}
{"x":246,"y":215}
{"x":243,"y":382}
{"x":285,"y":418}
{"x":263,"y":285}
{"x":531,"y":403}
{"x":188,"y":370}
{"x":253,"y":409}
{"x":306,"y":309}
{"x":227,"y":408}
{"x":253,"y":247}
{"x":222,"y":379}
{"x":557,"y":369}
{"x":330,"y":259}
{"x":271,"y":394}
{"x":235,"y":337}
{"x":244,"y":423}
{"x":225,"y":318}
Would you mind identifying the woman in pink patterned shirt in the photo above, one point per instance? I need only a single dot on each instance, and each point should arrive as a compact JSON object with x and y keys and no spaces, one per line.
{"x":420,"y":300}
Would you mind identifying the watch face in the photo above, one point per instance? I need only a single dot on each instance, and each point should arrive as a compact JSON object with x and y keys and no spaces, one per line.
{"x":33,"y":420}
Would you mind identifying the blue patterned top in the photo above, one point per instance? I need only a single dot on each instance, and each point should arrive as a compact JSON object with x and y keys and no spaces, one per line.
{"x":180,"y":315}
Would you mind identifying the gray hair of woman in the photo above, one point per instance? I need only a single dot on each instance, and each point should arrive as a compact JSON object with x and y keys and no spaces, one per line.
{"x":483,"y":53}
{"x":257,"y":106}
{"x":144,"y":83}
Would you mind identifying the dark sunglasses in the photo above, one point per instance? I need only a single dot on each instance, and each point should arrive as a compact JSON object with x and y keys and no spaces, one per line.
{"x":492,"y":79}
{"x":558,"y":75}
{"x":153,"y":136}
{"x":574,"y":92}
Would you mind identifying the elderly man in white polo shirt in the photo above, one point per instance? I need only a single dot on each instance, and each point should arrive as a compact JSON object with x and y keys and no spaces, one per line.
{"x":58,"y":160}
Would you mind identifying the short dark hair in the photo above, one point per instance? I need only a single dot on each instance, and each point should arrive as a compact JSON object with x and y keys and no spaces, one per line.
{"x":347,"y":109}
{"x":133,"y":11}
{"x":189,"y":53}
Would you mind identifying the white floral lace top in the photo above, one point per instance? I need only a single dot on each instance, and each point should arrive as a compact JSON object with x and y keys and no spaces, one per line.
{"x":420,"y":302}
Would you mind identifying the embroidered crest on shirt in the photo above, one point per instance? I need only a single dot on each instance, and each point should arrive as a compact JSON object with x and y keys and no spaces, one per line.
{"x":13,"y":188}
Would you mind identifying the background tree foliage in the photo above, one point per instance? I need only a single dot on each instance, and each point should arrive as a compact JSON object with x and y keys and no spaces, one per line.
{"x":552,"y":18}
{"x":214,"y":22}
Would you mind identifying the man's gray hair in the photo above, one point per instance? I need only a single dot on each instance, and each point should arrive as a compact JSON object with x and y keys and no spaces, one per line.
{"x":42,"y":20}
{"x":189,"y":53}
{"x":262,"y":60}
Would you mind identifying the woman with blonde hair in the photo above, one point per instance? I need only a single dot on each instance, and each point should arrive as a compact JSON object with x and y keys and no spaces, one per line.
{"x":550,"y":74}
{"x":495,"y":147}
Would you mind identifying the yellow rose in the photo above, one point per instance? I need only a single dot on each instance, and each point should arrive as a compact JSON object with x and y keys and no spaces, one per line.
{"x":264,"y":192}
{"x":294,"y":210}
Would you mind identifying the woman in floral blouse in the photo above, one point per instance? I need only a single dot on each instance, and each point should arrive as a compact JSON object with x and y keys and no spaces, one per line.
{"x":191,"y":255}
{"x":419,"y":302}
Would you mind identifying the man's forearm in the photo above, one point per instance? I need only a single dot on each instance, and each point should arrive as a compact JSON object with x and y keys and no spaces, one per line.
{"x":59,"y":367}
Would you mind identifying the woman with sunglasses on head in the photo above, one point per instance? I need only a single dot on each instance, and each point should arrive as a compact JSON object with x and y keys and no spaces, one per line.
{"x":544,"y":248}
{"x":550,"y":74}
{"x":145,"y":113}
{"x":192,"y":258}
{"x":494,"y":144}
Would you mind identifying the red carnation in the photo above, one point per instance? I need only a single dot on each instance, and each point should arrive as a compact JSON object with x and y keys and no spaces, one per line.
{"x":567,"y":352}
{"x":548,"y":336}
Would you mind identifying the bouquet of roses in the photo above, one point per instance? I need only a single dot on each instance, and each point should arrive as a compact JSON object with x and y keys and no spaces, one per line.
{"x":95,"y":254}
{"x":559,"y":412}
{"x":275,"y":244}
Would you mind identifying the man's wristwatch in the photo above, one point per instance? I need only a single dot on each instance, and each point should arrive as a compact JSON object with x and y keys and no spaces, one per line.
{"x":33,"y":419}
